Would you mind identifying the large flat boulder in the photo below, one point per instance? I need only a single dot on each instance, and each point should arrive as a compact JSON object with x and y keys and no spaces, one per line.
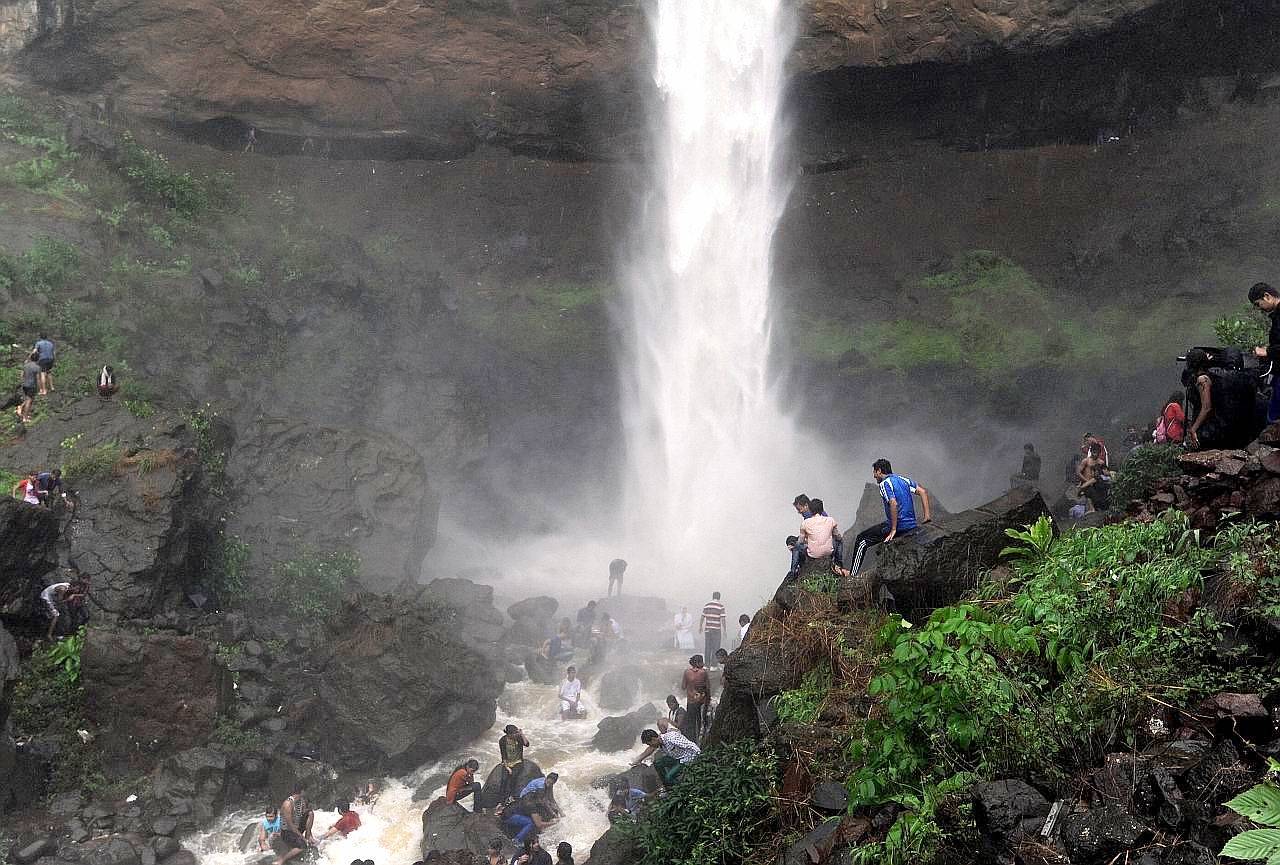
{"x":447,"y":827}
{"x":942,"y":560}
{"x":621,"y":732}
{"x":28,"y":535}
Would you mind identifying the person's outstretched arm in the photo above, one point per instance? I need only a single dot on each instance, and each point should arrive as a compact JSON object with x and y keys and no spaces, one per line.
{"x":1206,"y":407}
{"x":648,"y":752}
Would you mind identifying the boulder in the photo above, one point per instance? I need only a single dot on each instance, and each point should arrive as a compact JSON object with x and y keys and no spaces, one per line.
{"x":999,"y":807}
{"x":525,"y":772}
{"x":150,"y":696}
{"x":432,"y":783}
{"x":871,"y":513}
{"x":43,"y":846}
{"x":642,"y":777}
{"x":541,"y":669}
{"x":830,"y":796}
{"x":392,"y":687}
{"x":452,"y":827}
{"x":942,"y":560}
{"x":28,"y":538}
{"x":538,"y":609}
{"x":480,"y":624}
{"x":814,"y":846}
{"x":614,"y":847}
{"x":194,"y":783}
{"x":1095,"y":836}
{"x":109,"y":851}
{"x":619,"y":688}
{"x":620,"y":733}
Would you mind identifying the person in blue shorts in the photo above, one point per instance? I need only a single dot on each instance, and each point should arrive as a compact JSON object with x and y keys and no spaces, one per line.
{"x":899,"y":511}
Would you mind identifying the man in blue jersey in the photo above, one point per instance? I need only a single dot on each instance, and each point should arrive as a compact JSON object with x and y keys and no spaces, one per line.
{"x":899,"y":511}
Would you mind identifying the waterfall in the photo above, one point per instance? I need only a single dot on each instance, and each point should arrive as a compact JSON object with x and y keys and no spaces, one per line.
{"x":712,"y":460}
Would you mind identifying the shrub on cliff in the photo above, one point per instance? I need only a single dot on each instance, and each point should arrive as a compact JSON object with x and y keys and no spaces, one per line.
{"x":1137,"y":476}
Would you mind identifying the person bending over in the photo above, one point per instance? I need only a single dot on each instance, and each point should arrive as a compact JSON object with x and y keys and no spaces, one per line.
{"x":348,"y":822}
{"x":677,"y":751}
{"x":896,"y":492}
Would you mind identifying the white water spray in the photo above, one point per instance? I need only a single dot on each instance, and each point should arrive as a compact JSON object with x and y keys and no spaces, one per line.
{"x":712,"y":459}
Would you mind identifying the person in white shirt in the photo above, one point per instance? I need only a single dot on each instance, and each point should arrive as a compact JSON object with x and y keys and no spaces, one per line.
{"x":744,"y":622}
{"x":570,"y":694}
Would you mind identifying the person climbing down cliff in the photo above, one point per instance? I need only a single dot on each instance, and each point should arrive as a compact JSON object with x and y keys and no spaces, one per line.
{"x":1267,"y":299}
{"x":298,"y":818}
{"x":54,"y":597}
{"x":677,"y":751}
{"x":1222,"y":401}
{"x":511,"y":749}
{"x":617,"y":568}
{"x":107,"y":385}
{"x":896,"y":492}
{"x":463,"y":783}
{"x":348,"y":822}
{"x":44,"y":352}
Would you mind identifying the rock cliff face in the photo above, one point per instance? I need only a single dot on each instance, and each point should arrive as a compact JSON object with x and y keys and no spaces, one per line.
{"x":442,"y":76}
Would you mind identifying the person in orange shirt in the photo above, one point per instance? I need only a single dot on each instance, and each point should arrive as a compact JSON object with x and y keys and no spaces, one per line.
{"x":462,"y":783}
{"x":348,"y":822}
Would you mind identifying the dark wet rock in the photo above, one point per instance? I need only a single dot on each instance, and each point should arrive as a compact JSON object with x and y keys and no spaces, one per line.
{"x":830,"y":796}
{"x":614,"y":848}
{"x":150,"y":696}
{"x":524,"y":773}
{"x":181,"y":857}
{"x":432,"y":693}
{"x":541,"y":669}
{"x":369,"y":488}
{"x":513,"y":673}
{"x":619,"y":688}
{"x":1000,"y":806}
{"x":1190,"y":853}
{"x":453,"y":827}
{"x":1238,"y":707}
{"x":539,"y":609}
{"x":109,"y":851}
{"x":430,"y":786}
{"x":194,"y":782}
{"x":165,"y":846}
{"x":1099,"y":834}
{"x":28,"y":538}
{"x":620,"y":733}
{"x":1179,"y":755}
{"x":642,"y":777}
{"x":29,"y":853}
{"x":942,"y":560}
{"x":163,"y":825}
{"x":480,"y":624}
{"x":814,"y":846}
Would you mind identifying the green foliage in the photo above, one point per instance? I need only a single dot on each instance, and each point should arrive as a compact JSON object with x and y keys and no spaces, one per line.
{"x":1260,"y":804}
{"x":20,"y":117}
{"x":139,"y":408}
{"x":48,"y":265}
{"x":914,"y":837}
{"x":151,"y":173}
{"x":802,"y":705}
{"x":229,"y":566}
{"x":232,"y":736}
{"x":716,"y":813}
{"x":93,"y":463}
{"x":1035,"y":541}
{"x":213,"y":458}
{"x":540,"y":318}
{"x":64,"y":655}
{"x":1245,"y":329}
{"x":1137,"y":476}
{"x":312,"y":584}
{"x":822,"y":583}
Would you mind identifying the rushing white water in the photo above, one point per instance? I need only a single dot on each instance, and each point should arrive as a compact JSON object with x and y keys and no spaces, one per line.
{"x":708,"y":447}
{"x":391,"y":831}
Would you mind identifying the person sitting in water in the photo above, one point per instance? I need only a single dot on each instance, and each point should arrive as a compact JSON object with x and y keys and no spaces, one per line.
{"x":677,"y":751}
{"x":546,"y":786}
{"x":463,"y":783}
{"x":571,"y":695}
{"x":511,"y":749}
{"x":348,"y":822}
{"x":268,"y":829}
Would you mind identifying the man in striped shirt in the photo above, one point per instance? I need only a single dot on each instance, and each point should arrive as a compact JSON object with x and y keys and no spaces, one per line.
{"x":712,"y":624}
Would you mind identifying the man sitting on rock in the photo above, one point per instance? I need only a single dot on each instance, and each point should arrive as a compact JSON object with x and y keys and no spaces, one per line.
{"x":348,"y":822}
{"x":298,"y":818}
{"x":570,"y":695}
{"x":896,"y":492}
{"x":463,"y":783}
{"x":511,"y":749}
{"x":819,"y":533}
{"x":677,"y":751}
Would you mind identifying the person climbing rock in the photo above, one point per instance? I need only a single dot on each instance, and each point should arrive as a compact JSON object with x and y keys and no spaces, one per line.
{"x":570,"y":695}
{"x":44,"y":352}
{"x":107,"y":385}
{"x":711,"y":624}
{"x":27,"y":489}
{"x":677,"y":751}
{"x":1267,"y":299}
{"x":298,"y":818}
{"x":29,"y":382}
{"x":348,"y":822}
{"x":268,"y":830}
{"x":525,"y":817}
{"x":49,"y":487}
{"x":463,"y":783}
{"x":697,"y":690}
{"x":617,"y":568}
{"x":896,"y":493}
{"x":744,"y":624}
{"x":546,"y":788}
{"x":511,"y":749}
{"x":54,"y":596}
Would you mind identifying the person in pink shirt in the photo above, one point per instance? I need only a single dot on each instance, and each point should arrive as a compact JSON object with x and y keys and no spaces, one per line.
{"x":819,"y":532}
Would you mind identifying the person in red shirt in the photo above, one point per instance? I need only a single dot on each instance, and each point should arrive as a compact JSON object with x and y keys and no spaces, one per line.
{"x":462,"y":783}
{"x":348,"y":822}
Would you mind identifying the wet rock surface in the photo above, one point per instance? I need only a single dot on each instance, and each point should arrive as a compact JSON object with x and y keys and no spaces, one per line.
{"x":453,"y":827}
{"x":622,"y":732}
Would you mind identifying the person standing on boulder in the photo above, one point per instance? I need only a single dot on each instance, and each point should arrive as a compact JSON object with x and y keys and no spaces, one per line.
{"x":697,"y":691}
{"x":711,"y":625}
{"x":617,"y":568}
{"x":463,"y":783}
{"x":899,"y":511}
{"x":511,"y":749}
{"x":570,"y":695}
{"x":298,"y":818}
{"x":1267,"y":299}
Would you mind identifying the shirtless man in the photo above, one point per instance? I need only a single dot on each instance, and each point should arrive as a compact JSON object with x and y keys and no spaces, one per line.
{"x":1092,"y":486}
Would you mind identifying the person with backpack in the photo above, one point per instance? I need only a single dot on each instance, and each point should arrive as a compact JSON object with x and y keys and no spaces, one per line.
{"x":1267,"y":299}
{"x":1171,"y":425}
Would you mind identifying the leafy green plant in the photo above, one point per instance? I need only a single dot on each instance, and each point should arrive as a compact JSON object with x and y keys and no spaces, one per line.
{"x":188,"y":194}
{"x":231,"y":735}
{"x":65,"y":655}
{"x":313,"y":583}
{"x":229,"y":566}
{"x":139,"y":408}
{"x":92,"y":463}
{"x":48,"y":265}
{"x":1260,"y":804}
{"x":1244,"y":329}
{"x":914,"y":837}
{"x":802,"y":705}
{"x":717,"y":812}
{"x":1035,"y":541}
{"x":1137,"y":476}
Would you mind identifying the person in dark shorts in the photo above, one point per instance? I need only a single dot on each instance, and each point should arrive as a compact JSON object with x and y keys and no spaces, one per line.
{"x":30,"y":384}
{"x":617,"y":568}
{"x":44,"y":352}
{"x":297,"y":815}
